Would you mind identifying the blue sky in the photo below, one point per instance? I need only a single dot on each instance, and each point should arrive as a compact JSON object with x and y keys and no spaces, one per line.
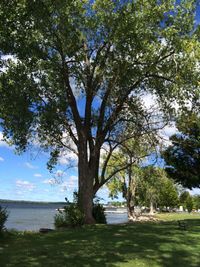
{"x":25,"y":177}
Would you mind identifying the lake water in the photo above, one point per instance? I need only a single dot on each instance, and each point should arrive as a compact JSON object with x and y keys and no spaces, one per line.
{"x":32,"y":217}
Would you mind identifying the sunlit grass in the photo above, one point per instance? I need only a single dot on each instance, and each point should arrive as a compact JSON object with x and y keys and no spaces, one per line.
{"x":160,"y":244}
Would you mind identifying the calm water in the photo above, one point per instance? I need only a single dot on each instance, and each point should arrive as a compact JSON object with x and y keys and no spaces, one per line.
{"x":29,"y":216}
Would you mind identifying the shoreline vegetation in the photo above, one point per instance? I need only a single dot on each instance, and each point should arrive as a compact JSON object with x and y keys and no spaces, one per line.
{"x":29,"y":202}
{"x":156,"y":244}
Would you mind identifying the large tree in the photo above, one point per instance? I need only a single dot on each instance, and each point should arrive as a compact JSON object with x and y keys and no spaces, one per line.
{"x":78,"y":67}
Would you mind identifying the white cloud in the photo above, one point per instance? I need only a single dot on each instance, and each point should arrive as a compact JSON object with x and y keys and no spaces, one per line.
{"x":9,"y":57}
{"x":195,"y":191}
{"x":50,"y":181}
{"x":149,"y":100}
{"x":59,"y":174}
{"x":5,"y":58}
{"x":1,"y":159}
{"x":25,"y":185}
{"x":69,"y":185}
{"x":30,"y":166}
{"x":3,"y":142}
{"x":63,"y":160}
{"x":37,"y":175}
{"x":167,"y":132}
{"x":67,"y":157}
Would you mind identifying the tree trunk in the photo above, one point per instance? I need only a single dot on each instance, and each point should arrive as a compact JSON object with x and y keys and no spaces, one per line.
{"x":131,"y":212}
{"x":132,"y":216}
{"x":131,"y":190}
{"x":151,"y":212}
{"x":85,"y":185}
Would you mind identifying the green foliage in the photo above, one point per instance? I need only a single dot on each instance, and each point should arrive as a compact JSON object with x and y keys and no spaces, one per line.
{"x":186,"y":200}
{"x":196,"y":201}
{"x":168,"y":195}
{"x":183,"y":198}
{"x":189,"y":204}
{"x":154,"y":186}
{"x":103,"y":47}
{"x":98,"y":213}
{"x":60,"y":221}
{"x":3,"y":218}
{"x":149,"y":185}
{"x":115,"y":185}
{"x":71,"y":216}
{"x":110,"y":51}
{"x":183,"y":156}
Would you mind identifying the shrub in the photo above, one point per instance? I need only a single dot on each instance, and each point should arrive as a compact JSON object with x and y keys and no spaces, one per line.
{"x":3,"y":218}
{"x":98,"y":213}
{"x":59,"y":220}
{"x":71,"y":216}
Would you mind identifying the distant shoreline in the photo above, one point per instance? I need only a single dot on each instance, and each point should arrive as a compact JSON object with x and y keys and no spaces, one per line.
{"x":30,"y":202}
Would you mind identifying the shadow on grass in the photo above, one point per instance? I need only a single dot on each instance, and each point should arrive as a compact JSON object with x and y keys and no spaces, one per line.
{"x":144,"y":244}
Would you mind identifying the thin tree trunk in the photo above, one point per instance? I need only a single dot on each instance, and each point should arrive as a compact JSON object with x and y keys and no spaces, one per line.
{"x":151,"y":212}
{"x":131,"y":190}
{"x":132,"y":216}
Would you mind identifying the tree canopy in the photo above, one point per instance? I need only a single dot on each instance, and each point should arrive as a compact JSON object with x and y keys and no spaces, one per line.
{"x":78,"y":70}
{"x":183,"y":155}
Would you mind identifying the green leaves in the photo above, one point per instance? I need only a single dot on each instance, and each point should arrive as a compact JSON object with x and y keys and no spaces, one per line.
{"x":183,"y":156}
{"x":80,"y":66}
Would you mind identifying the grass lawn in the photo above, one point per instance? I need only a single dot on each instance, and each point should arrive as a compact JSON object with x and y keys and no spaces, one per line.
{"x":133,"y":245}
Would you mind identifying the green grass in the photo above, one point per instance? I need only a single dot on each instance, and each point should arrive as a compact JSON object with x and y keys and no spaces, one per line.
{"x":133,"y":245}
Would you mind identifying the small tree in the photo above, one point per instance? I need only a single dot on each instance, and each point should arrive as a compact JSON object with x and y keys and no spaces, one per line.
{"x":189,"y":203}
{"x":183,"y":198}
{"x":150,"y":186}
{"x":186,"y":200}
{"x":196,"y":201}
{"x":127,"y":160}
{"x":168,"y":195}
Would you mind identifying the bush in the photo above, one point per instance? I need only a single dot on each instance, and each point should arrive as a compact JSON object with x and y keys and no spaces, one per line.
{"x":59,"y":220}
{"x":3,"y":218}
{"x":71,"y":216}
{"x":98,"y":213}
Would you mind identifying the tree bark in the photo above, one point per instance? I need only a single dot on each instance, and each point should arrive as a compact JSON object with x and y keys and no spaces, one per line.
{"x":132,"y":216}
{"x":85,"y":184}
{"x":131,"y":190}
